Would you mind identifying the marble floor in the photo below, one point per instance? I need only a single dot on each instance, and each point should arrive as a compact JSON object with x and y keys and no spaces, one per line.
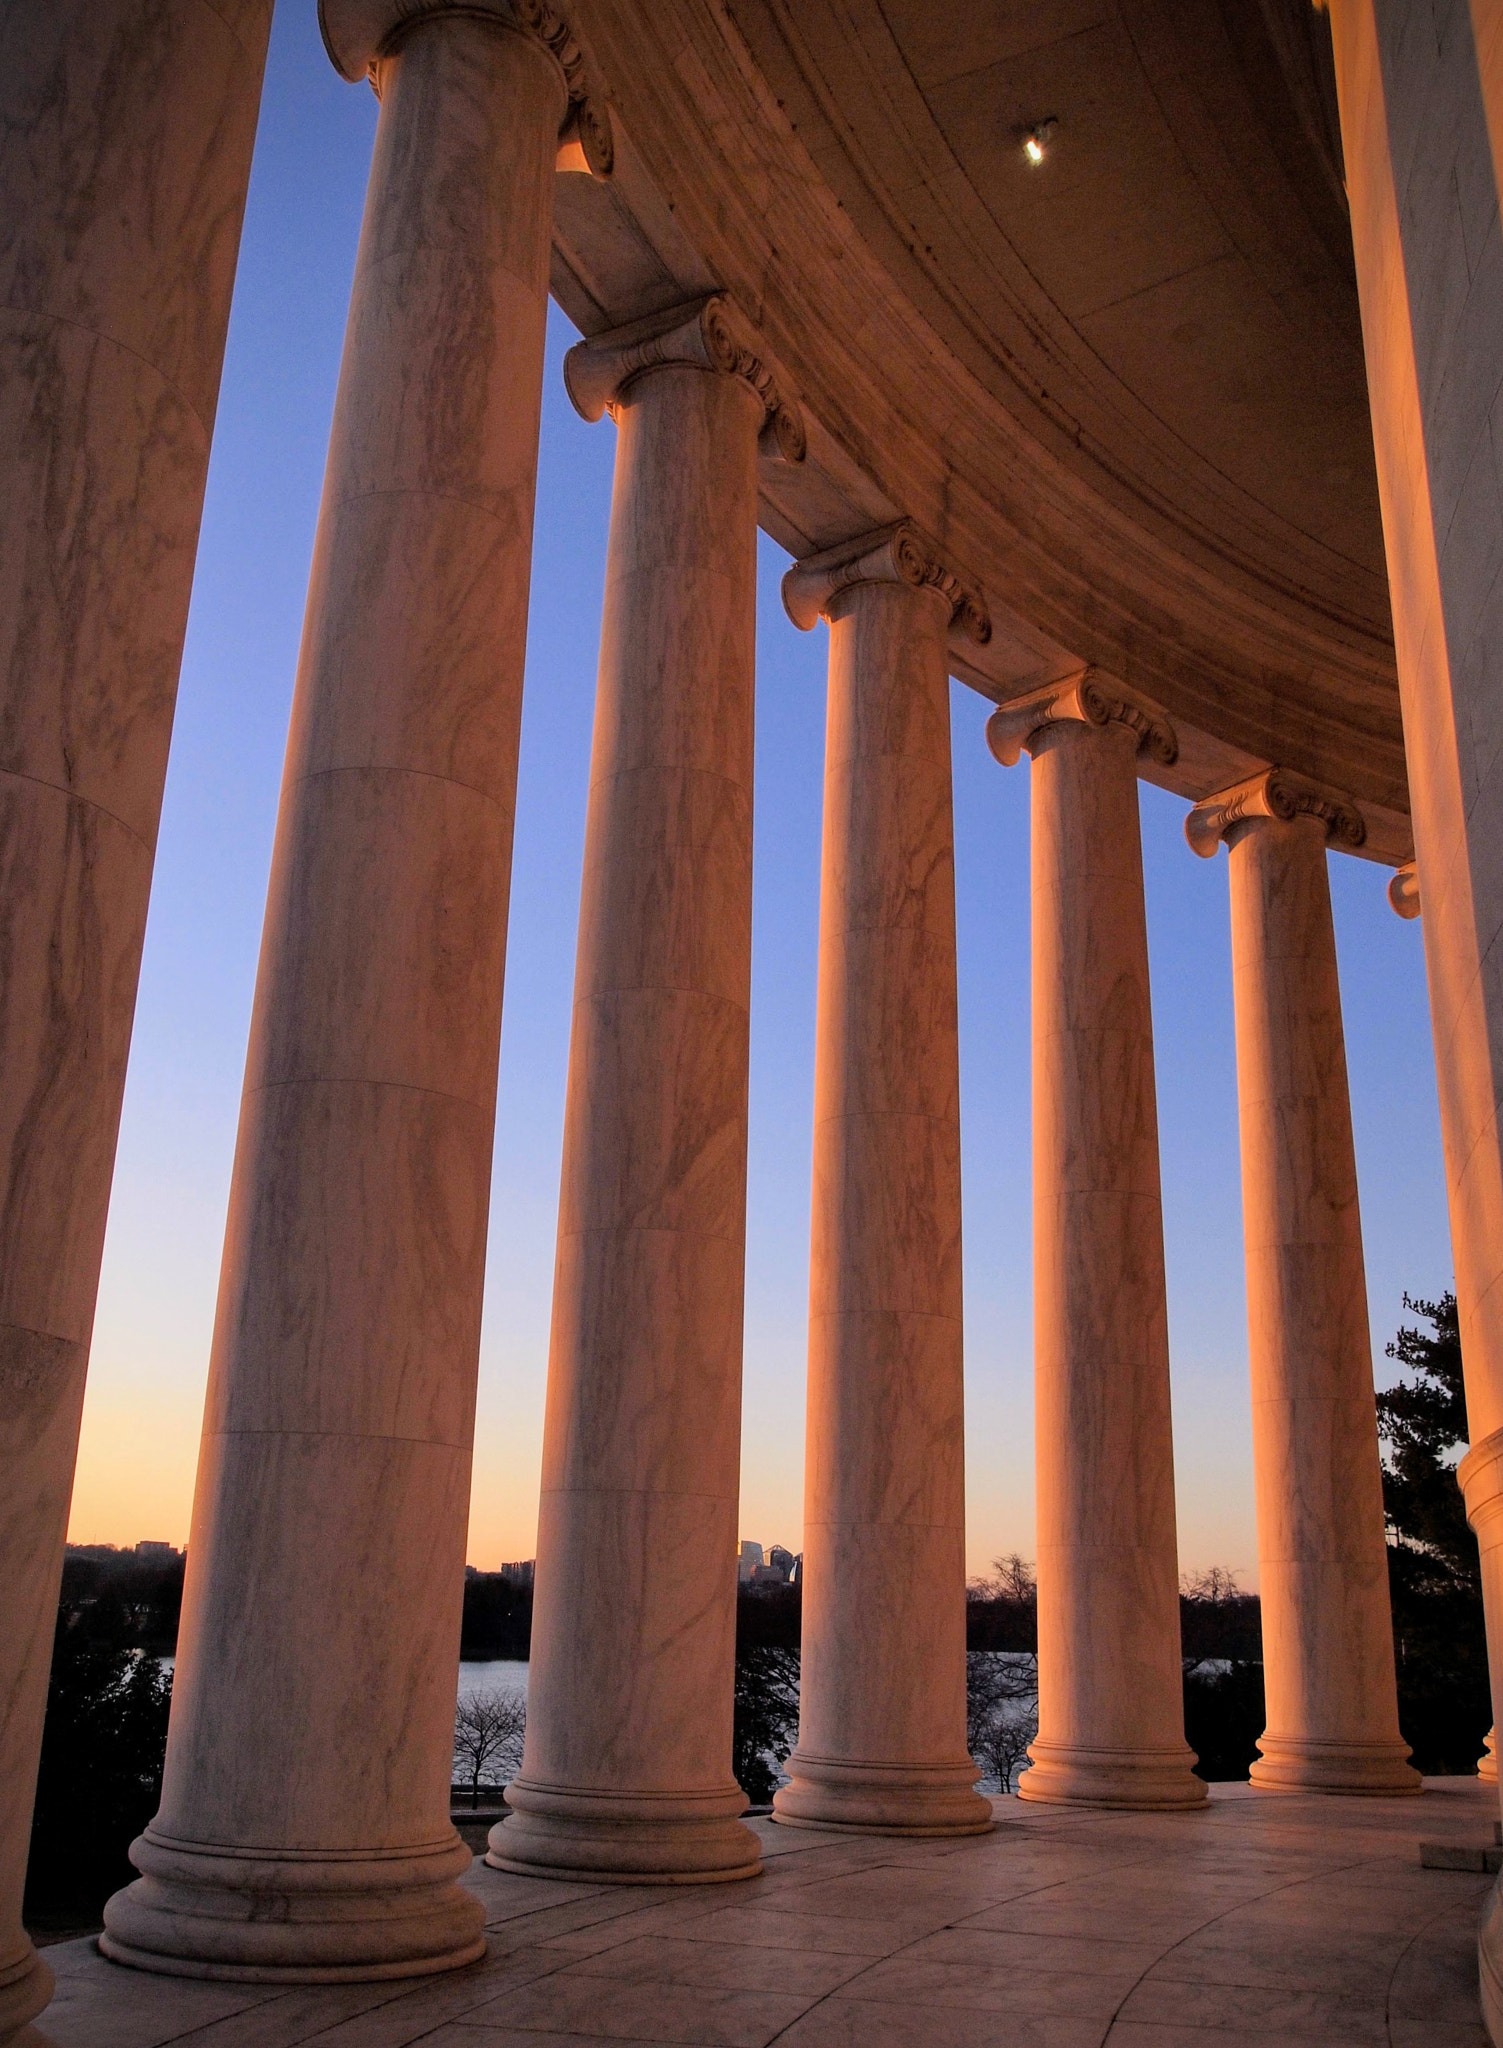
{"x":1264,"y":1919}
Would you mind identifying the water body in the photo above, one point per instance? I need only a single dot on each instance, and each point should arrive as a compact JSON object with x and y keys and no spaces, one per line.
{"x":497,"y":1674}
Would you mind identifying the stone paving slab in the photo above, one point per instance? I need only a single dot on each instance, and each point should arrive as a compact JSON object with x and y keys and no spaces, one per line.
{"x":1263,"y":1921}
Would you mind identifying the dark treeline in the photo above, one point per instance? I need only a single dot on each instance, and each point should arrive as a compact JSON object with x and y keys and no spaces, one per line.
{"x":1217,"y":1619}
{"x":497,"y":1618}
{"x":1434,"y":1577}
{"x":1221,"y":1640}
{"x":768,"y":1617}
{"x":138,"y":1597}
{"x":764,"y":1721}
{"x":105,"y":1733}
{"x":118,"y":1613}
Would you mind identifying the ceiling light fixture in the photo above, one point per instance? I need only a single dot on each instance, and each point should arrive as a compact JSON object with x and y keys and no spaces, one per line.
{"x":1037,"y":140}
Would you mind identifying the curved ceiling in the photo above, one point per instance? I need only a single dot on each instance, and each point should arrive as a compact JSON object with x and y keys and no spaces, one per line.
{"x":1124,"y":389}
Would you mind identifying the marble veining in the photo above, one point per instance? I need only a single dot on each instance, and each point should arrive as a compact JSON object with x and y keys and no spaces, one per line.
{"x":1111,"y":1725}
{"x":318,"y":1644}
{"x":125,"y":141}
{"x":627,"y":1773}
{"x":1323,"y":1572}
{"x":881,"y":1741}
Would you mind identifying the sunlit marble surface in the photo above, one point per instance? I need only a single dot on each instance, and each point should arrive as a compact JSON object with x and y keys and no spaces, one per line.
{"x":1259,"y":1919}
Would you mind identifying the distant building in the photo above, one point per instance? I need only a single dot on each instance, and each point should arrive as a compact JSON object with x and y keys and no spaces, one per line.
{"x":157,"y":1553}
{"x":779,"y":1567}
{"x":519,"y":1574}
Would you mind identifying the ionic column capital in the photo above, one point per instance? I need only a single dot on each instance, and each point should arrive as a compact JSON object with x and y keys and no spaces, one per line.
{"x":1276,"y":793}
{"x":358,"y":33}
{"x":707,"y":334}
{"x":1086,"y":698}
{"x":1480,"y":1477}
{"x":1404,"y":891}
{"x":891,"y":554}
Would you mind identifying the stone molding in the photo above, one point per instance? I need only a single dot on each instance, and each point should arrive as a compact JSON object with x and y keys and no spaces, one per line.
{"x":707,"y":334}
{"x":1274,"y":793}
{"x":1086,"y":698}
{"x":891,"y":554}
{"x":1480,"y":1477}
{"x":1403,"y":891}
{"x":358,"y":33}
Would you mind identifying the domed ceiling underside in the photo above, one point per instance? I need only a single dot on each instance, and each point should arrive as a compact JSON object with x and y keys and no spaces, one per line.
{"x":1123,"y":390}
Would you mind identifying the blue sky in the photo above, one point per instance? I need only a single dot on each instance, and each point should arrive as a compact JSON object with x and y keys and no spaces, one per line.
{"x":162,"y":1255}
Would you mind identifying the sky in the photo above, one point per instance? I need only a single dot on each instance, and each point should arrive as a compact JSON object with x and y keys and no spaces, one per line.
{"x":161,"y":1262}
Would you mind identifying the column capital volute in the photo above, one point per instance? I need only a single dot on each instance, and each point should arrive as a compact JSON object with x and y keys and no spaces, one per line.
{"x":707,"y":334}
{"x":1404,"y":891}
{"x":1088,"y":697}
{"x":1278,"y":794}
{"x":1480,"y":1477}
{"x":891,"y":554}
{"x":358,"y":33}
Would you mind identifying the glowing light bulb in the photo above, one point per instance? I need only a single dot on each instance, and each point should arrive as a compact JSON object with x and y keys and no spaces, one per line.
{"x":1037,"y":139}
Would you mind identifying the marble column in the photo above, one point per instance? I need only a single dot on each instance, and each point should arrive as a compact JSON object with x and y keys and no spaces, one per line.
{"x":304,"y":1827}
{"x":1111,"y":1715}
{"x":882,"y":1712}
{"x":1333,"y":1721}
{"x":1421,"y":103}
{"x":125,"y":147}
{"x":627,"y":1770}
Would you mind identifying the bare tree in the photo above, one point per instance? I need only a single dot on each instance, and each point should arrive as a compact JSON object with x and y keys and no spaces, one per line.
{"x":1215,"y":1585}
{"x":1219,"y":1624}
{"x":488,"y":1730}
{"x":1002,"y":1698}
{"x":1015,"y":1578}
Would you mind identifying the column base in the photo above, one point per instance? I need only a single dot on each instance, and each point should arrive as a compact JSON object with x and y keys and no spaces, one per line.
{"x":25,"y":1987}
{"x":624,"y":1837}
{"x":294,"y":1916}
{"x":1146,"y":1780}
{"x":1490,"y":1966}
{"x":882,"y":1799}
{"x":1292,"y":1764}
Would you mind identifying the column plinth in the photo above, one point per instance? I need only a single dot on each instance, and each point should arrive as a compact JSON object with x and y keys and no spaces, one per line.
{"x":882,"y":1716}
{"x":1111,"y":1715}
{"x":626,"y":1775}
{"x":304,"y":1830}
{"x":1328,"y":1665}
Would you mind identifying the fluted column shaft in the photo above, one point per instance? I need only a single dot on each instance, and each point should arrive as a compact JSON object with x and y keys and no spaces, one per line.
{"x":882,"y":1717}
{"x":125,"y":147}
{"x":304,"y":1827}
{"x":1322,"y":1553}
{"x":1111,"y":1716}
{"x":627,"y":1771}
